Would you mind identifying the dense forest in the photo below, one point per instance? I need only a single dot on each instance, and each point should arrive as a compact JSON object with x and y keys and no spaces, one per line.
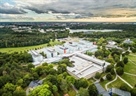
{"x":17,"y":72}
{"x":14,"y":73}
{"x":9,"y":38}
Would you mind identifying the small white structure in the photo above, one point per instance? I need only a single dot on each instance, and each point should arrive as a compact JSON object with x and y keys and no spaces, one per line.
{"x":128,"y":41}
{"x":111,"y":43}
{"x":61,"y":49}
{"x":37,"y":58}
{"x":86,"y":66}
{"x":50,"y":52}
{"x":41,"y":30}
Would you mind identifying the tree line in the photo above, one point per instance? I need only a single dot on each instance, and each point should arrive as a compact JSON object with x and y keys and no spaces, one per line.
{"x":9,"y":38}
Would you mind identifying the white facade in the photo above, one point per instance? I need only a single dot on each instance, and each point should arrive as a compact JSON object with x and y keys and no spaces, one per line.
{"x":50,"y":53}
{"x":37,"y":58}
{"x":61,"y":49}
{"x":69,"y":49}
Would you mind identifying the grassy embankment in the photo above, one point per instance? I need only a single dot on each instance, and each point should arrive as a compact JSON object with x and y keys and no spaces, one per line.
{"x":22,"y":49}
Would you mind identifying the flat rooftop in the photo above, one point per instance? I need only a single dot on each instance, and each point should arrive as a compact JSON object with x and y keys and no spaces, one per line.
{"x":85,"y":66}
{"x":51,"y":50}
{"x":82,"y":67}
{"x":63,"y":48}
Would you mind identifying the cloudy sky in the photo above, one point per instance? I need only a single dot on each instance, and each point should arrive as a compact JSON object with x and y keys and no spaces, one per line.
{"x":68,"y":10}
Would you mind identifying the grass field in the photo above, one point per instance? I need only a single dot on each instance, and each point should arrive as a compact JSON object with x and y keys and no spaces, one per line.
{"x":130,"y":68}
{"x":19,"y":49}
{"x":104,"y":83}
{"x":116,"y":84}
{"x":132,"y":57}
{"x":130,"y":79}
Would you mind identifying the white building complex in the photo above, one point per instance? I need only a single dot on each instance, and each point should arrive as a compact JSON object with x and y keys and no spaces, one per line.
{"x":84,"y":66}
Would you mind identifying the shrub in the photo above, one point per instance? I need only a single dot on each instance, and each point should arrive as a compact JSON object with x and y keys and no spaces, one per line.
{"x":109,"y":76}
{"x":97,"y":75}
{"x":120,"y":71}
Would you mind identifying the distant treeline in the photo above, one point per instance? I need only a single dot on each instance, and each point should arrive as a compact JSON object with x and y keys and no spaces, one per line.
{"x":9,"y":38}
{"x":128,"y":27}
{"x":121,"y":35}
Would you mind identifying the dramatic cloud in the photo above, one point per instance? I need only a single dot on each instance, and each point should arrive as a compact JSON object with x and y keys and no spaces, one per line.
{"x":86,"y":8}
{"x":6,"y":8}
{"x":71,"y":9}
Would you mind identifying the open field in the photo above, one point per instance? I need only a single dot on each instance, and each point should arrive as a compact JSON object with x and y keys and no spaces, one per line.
{"x":132,"y":57}
{"x":130,"y":79}
{"x":116,"y":84}
{"x":104,"y":83}
{"x":22,"y":49}
{"x":130,"y":68}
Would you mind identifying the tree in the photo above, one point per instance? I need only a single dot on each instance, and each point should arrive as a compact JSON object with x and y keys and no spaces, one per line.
{"x":92,"y":90}
{"x":109,"y":76}
{"x":54,"y":88}
{"x":83,"y":92}
{"x":70,"y":79}
{"x":64,"y":86}
{"x":125,"y":60}
{"x":81,"y":83}
{"x":101,"y":79}
{"x":124,"y":87}
{"x":97,"y":75}
{"x":133,"y":92}
{"x":19,"y":92}
{"x":120,"y":71}
{"x":109,"y":67}
{"x":61,"y":68}
{"x":42,"y":90}
{"x":112,"y":71}
{"x":120,"y":64}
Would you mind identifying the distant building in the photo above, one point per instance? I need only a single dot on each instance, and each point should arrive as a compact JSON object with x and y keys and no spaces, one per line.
{"x":127,"y":41}
{"x":41,"y":30}
{"x":34,"y":84}
{"x":111,"y":43}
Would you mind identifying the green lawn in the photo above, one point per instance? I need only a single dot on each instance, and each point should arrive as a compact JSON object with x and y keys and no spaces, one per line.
{"x":130,"y":68}
{"x":104,"y":83}
{"x":19,"y":49}
{"x":130,"y":79}
{"x":116,"y":84}
{"x":132,"y":57}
